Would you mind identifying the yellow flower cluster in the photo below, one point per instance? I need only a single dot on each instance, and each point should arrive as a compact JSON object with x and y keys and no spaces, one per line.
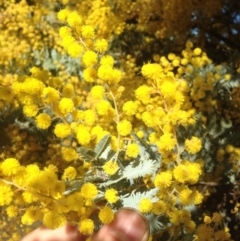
{"x":31,"y":181}
{"x":211,"y":229}
{"x":23,"y":33}
{"x":158,"y":105}
{"x":79,"y":40}
{"x":187,"y":172}
{"x":86,"y":129}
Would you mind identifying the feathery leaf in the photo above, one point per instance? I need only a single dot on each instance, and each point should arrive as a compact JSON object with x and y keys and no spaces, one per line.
{"x":133,"y":199}
{"x":145,"y":167}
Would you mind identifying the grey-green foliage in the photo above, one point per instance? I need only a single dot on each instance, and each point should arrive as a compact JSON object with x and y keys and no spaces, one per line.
{"x":130,"y":173}
{"x":132,"y":200}
{"x":142,"y":169}
{"x":47,"y":60}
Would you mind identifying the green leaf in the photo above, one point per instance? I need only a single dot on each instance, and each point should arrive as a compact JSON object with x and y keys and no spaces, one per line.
{"x":102,"y":145}
{"x":110,"y":155}
{"x":72,"y":186}
{"x":86,"y":154}
{"x":147,"y":147}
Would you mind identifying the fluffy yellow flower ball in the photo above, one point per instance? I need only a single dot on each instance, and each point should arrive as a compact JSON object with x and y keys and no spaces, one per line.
{"x":145,"y":205}
{"x":12,"y":211}
{"x":89,"y":58}
{"x":110,"y":167}
{"x":89,"y":191}
{"x":43,"y":121}
{"x":69,"y":154}
{"x":74,"y":19}
{"x":107,"y":60}
{"x":87,"y":31}
{"x":109,"y":74}
{"x":86,"y":226}
{"x":63,"y":14}
{"x":166,"y":142}
{"x":111,"y":195}
{"x":106,"y":215}
{"x":159,"y":207}
{"x":89,"y":117}
{"x":151,"y":71}
{"x":69,"y":173}
{"x":6,"y":195}
{"x":50,"y":95}
{"x":163,"y":179}
{"x":193,"y":145}
{"x":65,"y":31}
{"x":30,"y":110}
{"x":75,"y":49}
{"x":67,"y":40}
{"x":62,"y":130}
{"x":103,"y":107}
{"x":9,"y":166}
{"x":168,"y":88}
{"x":130,"y":108}
{"x":90,"y":74}
{"x":197,"y":51}
{"x":143,"y":93}
{"x":124,"y":127}
{"x":101,"y":45}
{"x":132,"y":150}
{"x":186,"y":197}
{"x":97,"y":91}
{"x":65,"y":106}
{"x":83,"y":135}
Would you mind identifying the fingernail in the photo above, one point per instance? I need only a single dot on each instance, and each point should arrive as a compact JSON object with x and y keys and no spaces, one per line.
{"x":136,"y":227}
{"x":128,"y":225}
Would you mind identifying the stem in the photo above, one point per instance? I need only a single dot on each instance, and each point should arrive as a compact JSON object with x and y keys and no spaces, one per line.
{"x":13,"y":184}
{"x":117,"y":121}
{"x":25,"y":189}
{"x":112,"y":182}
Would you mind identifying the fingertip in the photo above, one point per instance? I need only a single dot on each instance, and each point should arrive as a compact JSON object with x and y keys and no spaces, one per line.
{"x":67,"y":232}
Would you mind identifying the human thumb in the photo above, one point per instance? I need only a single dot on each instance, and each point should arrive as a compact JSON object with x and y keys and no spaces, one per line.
{"x":128,"y":225}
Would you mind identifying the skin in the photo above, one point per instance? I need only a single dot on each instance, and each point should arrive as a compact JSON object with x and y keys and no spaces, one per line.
{"x":128,"y":225}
